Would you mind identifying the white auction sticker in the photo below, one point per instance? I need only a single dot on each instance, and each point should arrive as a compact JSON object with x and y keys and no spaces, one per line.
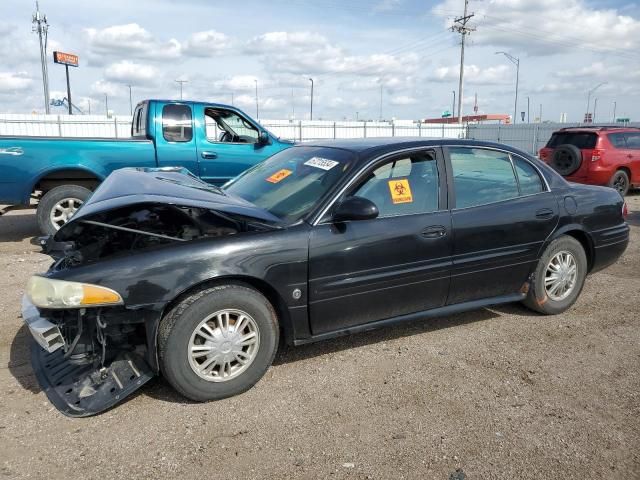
{"x":323,"y":163}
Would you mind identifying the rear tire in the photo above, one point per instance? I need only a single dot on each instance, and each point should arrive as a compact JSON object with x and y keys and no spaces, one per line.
{"x":620,"y":181}
{"x":541,"y":297}
{"x":59,"y":203}
{"x":201,"y":358}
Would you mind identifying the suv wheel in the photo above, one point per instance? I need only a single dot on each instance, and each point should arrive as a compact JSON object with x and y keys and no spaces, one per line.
{"x":620,"y":181}
{"x":218,"y":342}
{"x":559,"y":277}
{"x":566,"y":159}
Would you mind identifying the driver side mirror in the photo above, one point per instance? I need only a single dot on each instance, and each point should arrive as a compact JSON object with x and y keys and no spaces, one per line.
{"x":355,"y":208}
{"x":263,"y":138}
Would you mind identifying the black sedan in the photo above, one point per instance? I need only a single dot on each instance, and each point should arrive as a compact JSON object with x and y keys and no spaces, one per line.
{"x":160,"y":273}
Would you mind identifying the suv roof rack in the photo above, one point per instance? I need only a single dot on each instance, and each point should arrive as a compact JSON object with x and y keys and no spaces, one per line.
{"x":600,"y":127}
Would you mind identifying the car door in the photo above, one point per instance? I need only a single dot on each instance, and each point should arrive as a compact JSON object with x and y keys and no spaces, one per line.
{"x":174,"y":138}
{"x":503,"y":211}
{"x":633,"y":155}
{"x":224,"y":155}
{"x":396,"y":264}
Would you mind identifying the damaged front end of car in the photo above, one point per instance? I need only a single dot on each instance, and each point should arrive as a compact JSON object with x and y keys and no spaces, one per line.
{"x":95,"y":345}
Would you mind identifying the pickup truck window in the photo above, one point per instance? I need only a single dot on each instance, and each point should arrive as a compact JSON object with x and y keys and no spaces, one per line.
{"x":228,"y":127}
{"x":139,"y":124}
{"x":176,"y":123}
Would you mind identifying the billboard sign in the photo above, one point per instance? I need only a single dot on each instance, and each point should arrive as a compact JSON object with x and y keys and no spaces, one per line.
{"x":65,"y":59}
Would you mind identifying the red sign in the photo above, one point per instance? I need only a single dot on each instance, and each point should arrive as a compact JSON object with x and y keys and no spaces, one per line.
{"x":65,"y":58}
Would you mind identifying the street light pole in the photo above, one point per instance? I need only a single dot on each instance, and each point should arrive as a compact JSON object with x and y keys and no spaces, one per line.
{"x":589,"y":97}
{"x":257,"y":108}
{"x":528,"y":120}
{"x":613,"y":120}
{"x":453,"y":105}
{"x":516,"y":62}
{"x":595,"y":108}
{"x":131,"y":103}
{"x":311,"y":111}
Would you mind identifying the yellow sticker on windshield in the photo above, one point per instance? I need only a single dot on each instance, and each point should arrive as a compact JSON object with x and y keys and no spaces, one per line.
{"x":400,"y":191}
{"x":279,"y":175}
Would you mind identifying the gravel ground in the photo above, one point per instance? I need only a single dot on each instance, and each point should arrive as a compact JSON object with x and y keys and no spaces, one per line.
{"x":493,"y":393}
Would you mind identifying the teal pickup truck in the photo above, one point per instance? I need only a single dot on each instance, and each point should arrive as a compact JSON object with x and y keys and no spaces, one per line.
{"x":215,"y":142}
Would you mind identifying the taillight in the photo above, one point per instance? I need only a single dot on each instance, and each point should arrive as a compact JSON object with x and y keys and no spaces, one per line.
{"x":625,"y":210}
{"x":542,"y":154}
{"x":596,"y":155}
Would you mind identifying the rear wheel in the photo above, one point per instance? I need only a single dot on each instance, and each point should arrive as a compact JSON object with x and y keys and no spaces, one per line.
{"x":559,"y":277}
{"x":58,"y":205}
{"x":620,"y":181}
{"x":218,"y":342}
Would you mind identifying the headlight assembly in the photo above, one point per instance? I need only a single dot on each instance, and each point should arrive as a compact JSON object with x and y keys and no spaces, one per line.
{"x":49,"y":293}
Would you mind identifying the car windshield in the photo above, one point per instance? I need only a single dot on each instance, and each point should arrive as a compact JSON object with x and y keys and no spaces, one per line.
{"x":291,"y":183}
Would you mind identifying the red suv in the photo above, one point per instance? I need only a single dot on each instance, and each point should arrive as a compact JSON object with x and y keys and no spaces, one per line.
{"x":596,"y":155}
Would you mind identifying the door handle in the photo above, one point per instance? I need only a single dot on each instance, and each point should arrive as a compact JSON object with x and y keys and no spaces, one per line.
{"x":209,"y":155}
{"x":434,"y":231}
{"x":544,"y":213}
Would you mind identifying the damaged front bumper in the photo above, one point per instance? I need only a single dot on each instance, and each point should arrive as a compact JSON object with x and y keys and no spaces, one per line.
{"x":80,"y":389}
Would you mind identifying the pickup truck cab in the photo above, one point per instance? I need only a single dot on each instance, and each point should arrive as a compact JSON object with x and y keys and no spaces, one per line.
{"x":214,"y":142}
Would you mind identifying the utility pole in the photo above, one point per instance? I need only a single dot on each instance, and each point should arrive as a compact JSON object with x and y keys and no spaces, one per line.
{"x":40,"y":25}
{"x":614,"y":112}
{"x":257,"y":109}
{"x":106,"y":105}
{"x":460,"y":26}
{"x":453,"y":105}
{"x":293,"y":106}
{"x":380,"y":116}
{"x":311,"y":112}
{"x":528,"y":121}
{"x":181,"y":82}
{"x":232,"y":99}
{"x":131,"y":103}
{"x":516,"y":62}
{"x":89,"y":101}
{"x":540,"y":113}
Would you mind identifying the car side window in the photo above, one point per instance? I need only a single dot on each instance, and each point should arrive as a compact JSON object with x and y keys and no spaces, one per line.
{"x":176,"y":123}
{"x":403,"y":186}
{"x":633,"y":140}
{"x":528,"y":178}
{"x":482,"y":176}
{"x":617,"y":140}
{"x":228,"y":127}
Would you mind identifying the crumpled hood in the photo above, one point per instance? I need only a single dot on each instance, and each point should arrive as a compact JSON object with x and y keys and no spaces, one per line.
{"x":172,"y":186}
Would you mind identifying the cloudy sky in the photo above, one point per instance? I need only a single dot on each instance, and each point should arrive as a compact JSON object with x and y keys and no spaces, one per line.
{"x":357,"y":52}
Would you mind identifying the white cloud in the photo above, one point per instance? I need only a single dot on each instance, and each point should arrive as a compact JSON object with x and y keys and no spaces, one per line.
{"x":312,"y":53}
{"x":474,"y":74}
{"x":386,"y":5}
{"x":236,"y":83}
{"x":127,"y":72}
{"x":102,"y":87}
{"x":403,"y":100}
{"x":14,"y":82}
{"x":206,"y":44}
{"x":547,"y":27}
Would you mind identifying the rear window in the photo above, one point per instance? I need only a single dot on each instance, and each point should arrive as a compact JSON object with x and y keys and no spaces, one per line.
{"x":578,"y":139}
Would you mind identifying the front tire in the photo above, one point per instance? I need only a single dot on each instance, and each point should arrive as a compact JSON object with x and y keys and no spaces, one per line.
{"x":620,"y":181}
{"x":559,"y":277}
{"x":58,"y":205}
{"x":218,"y":342}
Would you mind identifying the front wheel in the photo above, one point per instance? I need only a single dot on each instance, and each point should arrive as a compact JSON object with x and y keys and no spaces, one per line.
{"x":58,"y":205}
{"x":559,"y":277}
{"x":218,"y":342}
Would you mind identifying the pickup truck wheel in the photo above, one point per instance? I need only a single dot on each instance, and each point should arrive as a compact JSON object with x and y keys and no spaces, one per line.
{"x":620,"y":181}
{"x":218,"y":342}
{"x":58,"y":205}
{"x":559,"y":277}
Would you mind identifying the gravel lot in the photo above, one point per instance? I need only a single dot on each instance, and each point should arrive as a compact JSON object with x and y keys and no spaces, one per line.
{"x":494,"y":393}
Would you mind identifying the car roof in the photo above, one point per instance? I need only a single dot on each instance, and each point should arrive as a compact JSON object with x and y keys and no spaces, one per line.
{"x":381,"y":145}
{"x":599,"y":128}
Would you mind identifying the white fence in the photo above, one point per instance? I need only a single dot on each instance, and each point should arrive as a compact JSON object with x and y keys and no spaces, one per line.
{"x":527,"y":137}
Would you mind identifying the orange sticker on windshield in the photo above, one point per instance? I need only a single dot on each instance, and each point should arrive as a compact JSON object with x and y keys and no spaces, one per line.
{"x":279,"y":175}
{"x":400,"y":191}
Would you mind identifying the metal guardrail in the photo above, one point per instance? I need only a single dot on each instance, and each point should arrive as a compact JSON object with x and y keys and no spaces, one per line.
{"x":529,"y":137}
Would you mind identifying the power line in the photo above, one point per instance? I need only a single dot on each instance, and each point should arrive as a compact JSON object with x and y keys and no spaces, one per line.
{"x":41,"y":26}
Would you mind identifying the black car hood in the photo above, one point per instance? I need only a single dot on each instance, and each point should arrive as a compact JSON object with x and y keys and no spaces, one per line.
{"x":175,"y":186}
